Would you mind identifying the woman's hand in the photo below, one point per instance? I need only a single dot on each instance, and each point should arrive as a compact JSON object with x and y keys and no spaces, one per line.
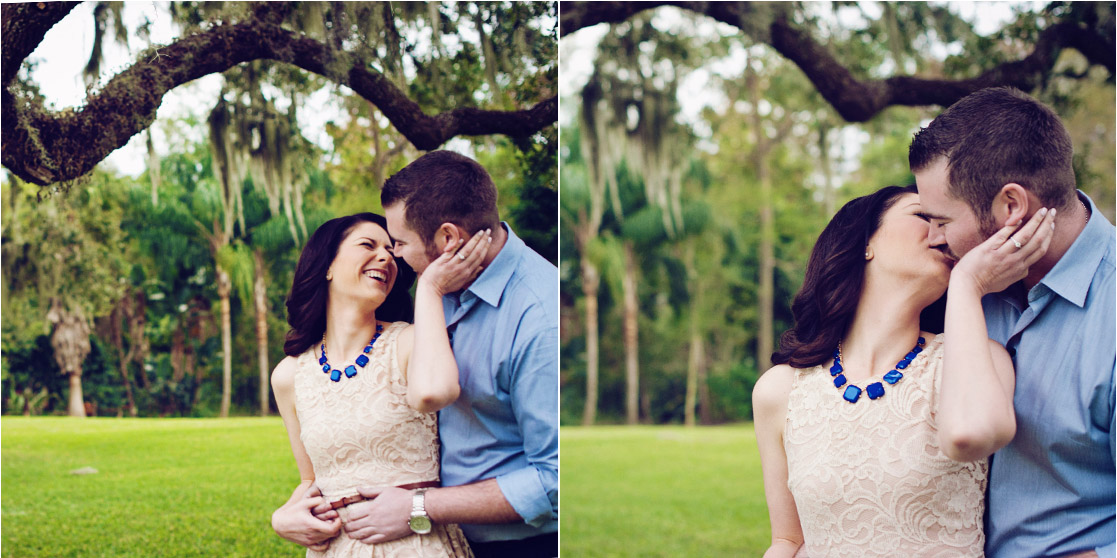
{"x":295,"y":521}
{"x":458,"y":265}
{"x":1005,"y":257}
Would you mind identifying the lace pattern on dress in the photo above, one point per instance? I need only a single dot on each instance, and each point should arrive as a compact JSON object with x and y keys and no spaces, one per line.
{"x":869,"y":478}
{"x":361,"y":432}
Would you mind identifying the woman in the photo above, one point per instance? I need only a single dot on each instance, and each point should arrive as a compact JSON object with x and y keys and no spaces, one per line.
{"x":357,"y":400}
{"x":873,"y":432}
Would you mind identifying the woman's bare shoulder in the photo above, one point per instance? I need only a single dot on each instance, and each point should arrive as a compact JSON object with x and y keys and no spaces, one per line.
{"x":773,"y":387}
{"x":283,"y":375}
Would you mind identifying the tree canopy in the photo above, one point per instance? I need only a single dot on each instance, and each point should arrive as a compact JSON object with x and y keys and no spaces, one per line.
{"x":357,"y":45}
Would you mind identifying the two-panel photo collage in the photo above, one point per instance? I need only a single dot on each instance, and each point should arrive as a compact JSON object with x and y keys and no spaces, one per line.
{"x":541,"y":279}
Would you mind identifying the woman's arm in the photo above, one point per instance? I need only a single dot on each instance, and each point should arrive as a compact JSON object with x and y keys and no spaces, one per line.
{"x":769,"y":405}
{"x":424,"y":349}
{"x":975,"y":414}
{"x":293,"y":520}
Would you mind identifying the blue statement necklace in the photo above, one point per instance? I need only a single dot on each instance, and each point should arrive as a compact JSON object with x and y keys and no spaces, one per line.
{"x":874,"y":390}
{"x":350,"y":371}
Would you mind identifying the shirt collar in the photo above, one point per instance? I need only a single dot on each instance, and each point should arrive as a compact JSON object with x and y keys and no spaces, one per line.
{"x":1073,"y":273}
{"x":490,"y":284}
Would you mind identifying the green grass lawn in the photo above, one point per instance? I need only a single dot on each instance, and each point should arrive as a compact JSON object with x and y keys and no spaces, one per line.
{"x":661,"y":491}
{"x":207,"y":487}
{"x":164,"y":487}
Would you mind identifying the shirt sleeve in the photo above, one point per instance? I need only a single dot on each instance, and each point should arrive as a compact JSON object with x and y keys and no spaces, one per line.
{"x":533,"y":490}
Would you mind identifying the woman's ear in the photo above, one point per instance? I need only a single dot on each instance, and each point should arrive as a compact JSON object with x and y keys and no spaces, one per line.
{"x":1011,"y":205}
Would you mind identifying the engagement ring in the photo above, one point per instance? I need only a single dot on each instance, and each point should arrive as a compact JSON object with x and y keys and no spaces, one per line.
{"x":461,"y":256}
{"x":1014,"y":241}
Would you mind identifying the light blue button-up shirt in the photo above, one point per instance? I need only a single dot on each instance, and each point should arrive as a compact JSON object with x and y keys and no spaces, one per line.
{"x":1051,"y":490}
{"x":504,"y":331}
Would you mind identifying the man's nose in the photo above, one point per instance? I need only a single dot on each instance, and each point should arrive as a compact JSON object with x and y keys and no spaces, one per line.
{"x":935,"y":236}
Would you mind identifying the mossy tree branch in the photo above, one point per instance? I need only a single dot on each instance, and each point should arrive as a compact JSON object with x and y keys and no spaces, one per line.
{"x":45,"y":147}
{"x":858,"y":100}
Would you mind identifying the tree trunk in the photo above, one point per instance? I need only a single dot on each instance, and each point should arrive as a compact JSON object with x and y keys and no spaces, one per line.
{"x":261,"y":297}
{"x":223,"y":289}
{"x":116,"y":321}
{"x":766,"y":296}
{"x":591,"y":282}
{"x":766,"y":292}
{"x":631,"y":337}
{"x":694,"y":364}
{"x":828,"y":196}
{"x":153,"y":169}
{"x":695,"y":358}
{"x":77,"y":402}
{"x":704,"y":415}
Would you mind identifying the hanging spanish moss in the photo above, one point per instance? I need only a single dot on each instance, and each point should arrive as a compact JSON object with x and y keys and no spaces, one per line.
{"x":256,"y":140}
{"x":628,"y":115}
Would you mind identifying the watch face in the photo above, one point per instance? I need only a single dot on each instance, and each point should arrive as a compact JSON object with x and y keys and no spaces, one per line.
{"x":420,"y":524}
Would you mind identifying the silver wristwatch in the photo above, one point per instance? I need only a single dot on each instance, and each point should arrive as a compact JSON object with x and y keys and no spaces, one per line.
{"x":420,"y":522}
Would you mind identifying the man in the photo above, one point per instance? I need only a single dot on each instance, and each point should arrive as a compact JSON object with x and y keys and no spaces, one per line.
{"x":993,"y":159}
{"x":500,"y":438}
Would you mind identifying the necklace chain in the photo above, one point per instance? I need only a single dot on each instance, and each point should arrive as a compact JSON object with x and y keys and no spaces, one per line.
{"x":874,"y":390}
{"x":351,"y":370}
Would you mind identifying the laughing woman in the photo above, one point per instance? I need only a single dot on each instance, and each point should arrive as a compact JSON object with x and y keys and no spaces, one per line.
{"x":357,"y":400}
{"x":874,"y":432}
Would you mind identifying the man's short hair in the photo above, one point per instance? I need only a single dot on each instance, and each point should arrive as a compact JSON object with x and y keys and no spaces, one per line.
{"x":443,"y":187}
{"x":993,"y":137}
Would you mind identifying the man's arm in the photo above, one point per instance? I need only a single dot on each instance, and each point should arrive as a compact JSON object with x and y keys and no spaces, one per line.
{"x":385,"y":517}
{"x":529,"y":494}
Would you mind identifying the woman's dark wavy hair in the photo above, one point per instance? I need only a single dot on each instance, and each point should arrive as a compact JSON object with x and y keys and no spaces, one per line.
{"x":306,"y":303}
{"x":825,"y":306}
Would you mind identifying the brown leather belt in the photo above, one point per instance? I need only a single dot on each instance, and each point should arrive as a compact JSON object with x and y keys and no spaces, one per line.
{"x":358,"y":498}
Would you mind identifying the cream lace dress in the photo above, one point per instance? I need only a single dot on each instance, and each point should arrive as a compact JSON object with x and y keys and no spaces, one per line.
{"x":361,"y":432}
{"x":869,"y":478}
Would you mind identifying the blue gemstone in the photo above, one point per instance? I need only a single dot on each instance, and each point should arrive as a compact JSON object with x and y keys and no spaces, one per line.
{"x":902,"y":364}
{"x":322,"y":360}
{"x":910,"y":356}
{"x":917,"y":350}
{"x":362,"y":360}
{"x":836,"y":369}
{"x":325,"y":367}
{"x":874,"y":390}
{"x":367,"y":349}
{"x":350,"y":371}
{"x":893,"y":377}
{"x":837,"y":354}
{"x":851,"y":394}
{"x":920,"y":341}
{"x":335,"y":375}
{"x":839,"y":380}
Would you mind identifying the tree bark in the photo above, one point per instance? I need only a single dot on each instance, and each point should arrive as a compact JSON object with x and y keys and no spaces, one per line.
{"x":591,"y":283}
{"x":860,"y":100}
{"x":44,"y":147}
{"x":631,"y":336}
{"x":261,"y":298}
{"x":224,"y":287}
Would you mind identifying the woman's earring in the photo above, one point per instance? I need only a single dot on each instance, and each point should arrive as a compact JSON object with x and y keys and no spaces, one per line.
{"x":329,"y":276}
{"x":868,"y":253}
